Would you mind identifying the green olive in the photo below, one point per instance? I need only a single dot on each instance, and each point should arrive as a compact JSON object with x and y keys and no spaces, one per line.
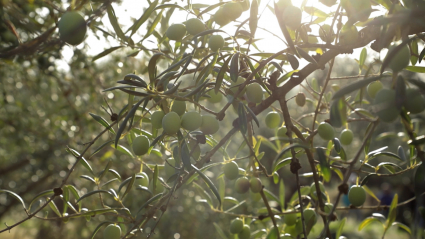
{"x":231,"y":170}
{"x":234,"y":87}
{"x":326,"y":33}
{"x":373,"y":88}
{"x":348,"y":35}
{"x":209,"y":124}
{"x":326,"y":131}
{"x":141,"y":145}
{"x":236,"y":226}
{"x":214,"y":98}
{"x":292,"y":16}
{"x":385,"y":105}
{"x":220,"y":18}
{"x":254,"y":93}
{"x":255,"y":185}
{"x":282,"y":4}
{"x":215,"y":42}
{"x":245,"y":233}
{"x":145,"y":180}
{"x":415,"y":102}
{"x":176,"y":32}
{"x":400,"y":60}
{"x":328,"y":207}
{"x":272,"y":120}
{"x":242,"y":185}
{"x":245,"y":5}
{"x":300,"y":99}
{"x":171,"y":123}
{"x":72,"y":28}
{"x":232,"y":10}
{"x":112,"y":231}
{"x":168,"y":169}
{"x":346,"y":137}
{"x":357,"y":196}
{"x":191,"y":120}
{"x":194,"y":26}
{"x":310,"y":215}
{"x":156,"y":119}
{"x":281,"y":132}
{"x":313,"y":192}
{"x":290,"y":219}
{"x":179,"y":107}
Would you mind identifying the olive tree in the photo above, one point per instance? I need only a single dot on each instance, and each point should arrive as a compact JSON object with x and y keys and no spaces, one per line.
{"x":208,"y":103}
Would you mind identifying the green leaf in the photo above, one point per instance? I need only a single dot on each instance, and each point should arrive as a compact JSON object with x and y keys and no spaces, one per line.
{"x":340,"y":227}
{"x":419,"y":180}
{"x":16,"y":196}
{"x":114,"y":22}
{"x":218,"y":228}
{"x":152,"y":199}
{"x":243,"y":123}
{"x":282,"y":164}
{"x":124,"y":122}
{"x":209,"y":183}
{"x":93,"y":192}
{"x":163,"y":6}
{"x":324,"y":164}
{"x":145,"y":16}
{"x":40,"y":195}
{"x":101,"y":147}
{"x":210,"y":8}
{"x":401,"y":225}
{"x":108,"y":165}
{"x":414,"y":49}
{"x":354,"y":86}
{"x":370,"y":192}
{"x":272,"y":196}
{"x":293,"y":61}
{"x":83,"y":161}
{"x":393,"y":211}
{"x":367,"y":178}
{"x":282,"y":25}
{"x":338,"y":113}
{"x":74,"y":192}
{"x":292,"y":146}
{"x":203,"y":169}
{"x":155,"y":178}
{"x":306,"y":56}
{"x":152,"y":66}
{"x":130,"y":185}
{"x":154,"y":23}
{"x":421,"y":56}
{"x":367,"y":221}
{"x":88,"y":178}
{"x":206,"y":33}
{"x":105,"y":52}
{"x":234,"y":67}
{"x":123,"y":150}
{"x":388,"y":154}
{"x":220,"y":75}
{"x":254,"y":117}
{"x":315,"y":12}
{"x":363,"y":56}
{"x":282,"y":193}
{"x":98,"y":228}
{"x":253,"y":19}
{"x":274,"y":232}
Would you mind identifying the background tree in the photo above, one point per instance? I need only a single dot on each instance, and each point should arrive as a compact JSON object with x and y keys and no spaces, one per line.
{"x":205,"y":127}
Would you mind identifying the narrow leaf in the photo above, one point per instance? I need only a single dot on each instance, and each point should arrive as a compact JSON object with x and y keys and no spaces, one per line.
{"x":209,"y":183}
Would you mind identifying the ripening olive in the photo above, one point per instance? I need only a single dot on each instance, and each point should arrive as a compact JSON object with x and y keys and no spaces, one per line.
{"x":300,"y":99}
{"x":242,"y":185}
{"x":255,"y":185}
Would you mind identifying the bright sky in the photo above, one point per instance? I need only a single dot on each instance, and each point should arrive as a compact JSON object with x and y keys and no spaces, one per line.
{"x":133,"y":9}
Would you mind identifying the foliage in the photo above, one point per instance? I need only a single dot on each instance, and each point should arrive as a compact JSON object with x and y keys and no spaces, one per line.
{"x":76,"y":134}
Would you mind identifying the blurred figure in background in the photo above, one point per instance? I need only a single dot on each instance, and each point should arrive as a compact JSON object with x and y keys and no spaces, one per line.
{"x":386,"y":196}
